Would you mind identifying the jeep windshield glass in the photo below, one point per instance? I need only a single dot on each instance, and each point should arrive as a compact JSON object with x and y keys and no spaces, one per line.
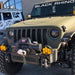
{"x":7,"y":16}
{"x":58,"y":8}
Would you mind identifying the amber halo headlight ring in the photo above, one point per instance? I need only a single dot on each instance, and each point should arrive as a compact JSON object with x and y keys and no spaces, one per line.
{"x":11,"y":33}
{"x":54,"y":33}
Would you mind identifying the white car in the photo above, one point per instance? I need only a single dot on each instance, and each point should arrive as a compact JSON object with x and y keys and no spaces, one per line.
{"x":9,"y":17}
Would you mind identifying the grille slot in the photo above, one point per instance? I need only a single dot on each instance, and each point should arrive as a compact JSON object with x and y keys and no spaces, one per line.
{"x":33,"y":35}
{"x":19,"y":34}
{"x":44,"y":36}
{"x":23,"y":33}
{"x":28,"y":33}
{"x":38,"y":35}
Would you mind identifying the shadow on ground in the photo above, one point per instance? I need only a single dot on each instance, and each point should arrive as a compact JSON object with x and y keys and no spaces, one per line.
{"x":37,"y":70}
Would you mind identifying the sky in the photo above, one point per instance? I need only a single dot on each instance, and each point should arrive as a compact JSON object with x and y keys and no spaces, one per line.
{"x":3,"y":0}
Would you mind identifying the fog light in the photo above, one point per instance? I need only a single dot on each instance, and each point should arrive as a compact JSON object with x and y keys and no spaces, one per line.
{"x":47,"y":51}
{"x":73,"y":12}
{"x":3,"y":48}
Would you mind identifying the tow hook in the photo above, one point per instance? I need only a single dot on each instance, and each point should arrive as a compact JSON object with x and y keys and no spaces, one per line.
{"x":44,"y":63}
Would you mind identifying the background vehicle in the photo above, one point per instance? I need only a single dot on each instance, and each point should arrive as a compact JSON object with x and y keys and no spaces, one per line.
{"x":9,"y":17}
{"x":52,"y":26}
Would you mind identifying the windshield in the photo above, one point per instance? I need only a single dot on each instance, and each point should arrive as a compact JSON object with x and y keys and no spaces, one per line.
{"x":17,"y":14}
{"x":59,"y":8}
{"x":7,"y":16}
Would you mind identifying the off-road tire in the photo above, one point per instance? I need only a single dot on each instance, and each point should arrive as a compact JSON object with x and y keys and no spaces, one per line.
{"x":73,"y":58}
{"x":9,"y":68}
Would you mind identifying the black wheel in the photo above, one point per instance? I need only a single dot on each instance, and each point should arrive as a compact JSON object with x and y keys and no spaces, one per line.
{"x":73,"y":55}
{"x":73,"y":59}
{"x":9,"y":68}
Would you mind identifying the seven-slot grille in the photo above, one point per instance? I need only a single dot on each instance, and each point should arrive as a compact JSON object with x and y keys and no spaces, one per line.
{"x":38,"y":35}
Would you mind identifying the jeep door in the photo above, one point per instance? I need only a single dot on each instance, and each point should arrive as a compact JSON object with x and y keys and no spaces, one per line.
{"x":7,"y":19}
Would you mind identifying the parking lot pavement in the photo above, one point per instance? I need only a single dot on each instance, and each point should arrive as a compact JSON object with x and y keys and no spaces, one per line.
{"x":37,"y":70}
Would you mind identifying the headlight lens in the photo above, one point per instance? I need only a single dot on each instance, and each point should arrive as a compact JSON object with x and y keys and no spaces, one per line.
{"x":54,"y":33}
{"x":11,"y":33}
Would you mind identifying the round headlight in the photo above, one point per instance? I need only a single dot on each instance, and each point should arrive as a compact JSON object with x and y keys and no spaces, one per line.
{"x":11,"y":33}
{"x":54,"y":33}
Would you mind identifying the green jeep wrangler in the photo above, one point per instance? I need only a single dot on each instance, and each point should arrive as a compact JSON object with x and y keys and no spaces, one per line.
{"x":46,"y":39}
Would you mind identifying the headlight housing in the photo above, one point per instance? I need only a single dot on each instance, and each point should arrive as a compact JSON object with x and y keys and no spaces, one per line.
{"x":54,"y":33}
{"x":11,"y":33}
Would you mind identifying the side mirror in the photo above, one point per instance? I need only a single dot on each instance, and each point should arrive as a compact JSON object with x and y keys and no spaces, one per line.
{"x":28,"y":16}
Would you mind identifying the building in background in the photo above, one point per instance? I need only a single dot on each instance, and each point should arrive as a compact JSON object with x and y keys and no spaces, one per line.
{"x":24,"y":5}
{"x":17,"y":4}
{"x":1,"y":5}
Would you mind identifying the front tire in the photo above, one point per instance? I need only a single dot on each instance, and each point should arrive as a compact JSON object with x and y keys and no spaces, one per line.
{"x":73,"y":55}
{"x":9,"y":68}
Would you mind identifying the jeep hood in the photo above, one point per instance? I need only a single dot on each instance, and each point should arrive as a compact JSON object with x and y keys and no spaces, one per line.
{"x":67,"y":21}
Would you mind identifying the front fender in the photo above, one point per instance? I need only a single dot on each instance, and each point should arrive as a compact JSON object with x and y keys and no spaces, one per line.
{"x":68,"y":36}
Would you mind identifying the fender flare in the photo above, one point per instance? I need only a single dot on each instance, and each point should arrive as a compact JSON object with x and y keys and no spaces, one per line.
{"x":72,"y":34}
{"x":68,"y":36}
